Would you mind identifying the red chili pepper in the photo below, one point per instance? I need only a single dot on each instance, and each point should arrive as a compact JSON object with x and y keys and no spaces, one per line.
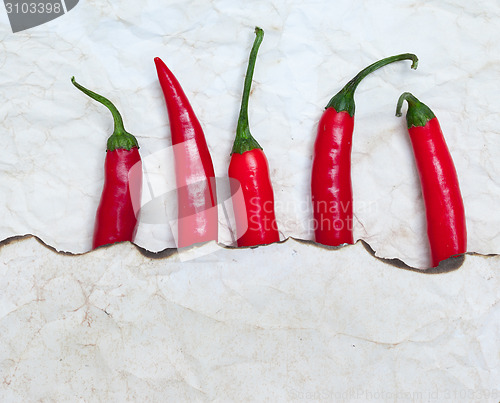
{"x":116,"y":217}
{"x":255,"y":217}
{"x":194,"y":171}
{"x":331,"y":187}
{"x":444,"y":206}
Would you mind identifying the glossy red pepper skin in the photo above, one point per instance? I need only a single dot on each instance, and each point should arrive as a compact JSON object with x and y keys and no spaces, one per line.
{"x":194,"y":171}
{"x":443,"y":201}
{"x":331,"y":187}
{"x":116,"y":217}
{"x":255,"y":217}
{"x":249,"y":171}
{"x":118,"y":210}
{"x":444,"y":207}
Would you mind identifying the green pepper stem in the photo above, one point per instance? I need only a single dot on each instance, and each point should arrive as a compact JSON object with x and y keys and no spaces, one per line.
{"x":344,"y":99}
{"x":244,"y":141}
{"x":405,"y":96}
{"x":418,"y":113}
{"x":352,"y":85}
{"x":120,"y":137}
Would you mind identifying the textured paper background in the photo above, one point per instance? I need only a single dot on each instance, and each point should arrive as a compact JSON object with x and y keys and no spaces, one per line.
{"x":54,"y":137}
{"x":287,"y":322}
{"x":290,"y":321}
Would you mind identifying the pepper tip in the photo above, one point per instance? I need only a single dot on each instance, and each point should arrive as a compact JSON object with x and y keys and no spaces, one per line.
{"x":159,"y":63}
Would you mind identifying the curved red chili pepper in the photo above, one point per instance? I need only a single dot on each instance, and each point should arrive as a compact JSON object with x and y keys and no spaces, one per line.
{"x":444,"y":206}
{"x":255,"y":217}
{"x":331,"y":188}
{"x":194,"y":171}
{"x":116,"y":217}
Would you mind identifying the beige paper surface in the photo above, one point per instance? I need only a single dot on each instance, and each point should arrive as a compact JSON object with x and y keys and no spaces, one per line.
{"x":291,"y":321}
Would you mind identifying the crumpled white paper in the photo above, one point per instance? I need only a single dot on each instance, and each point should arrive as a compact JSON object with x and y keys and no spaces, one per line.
{"x":290,"y":321}
{"x":285,"y":322}
{"x":54,"y":137}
